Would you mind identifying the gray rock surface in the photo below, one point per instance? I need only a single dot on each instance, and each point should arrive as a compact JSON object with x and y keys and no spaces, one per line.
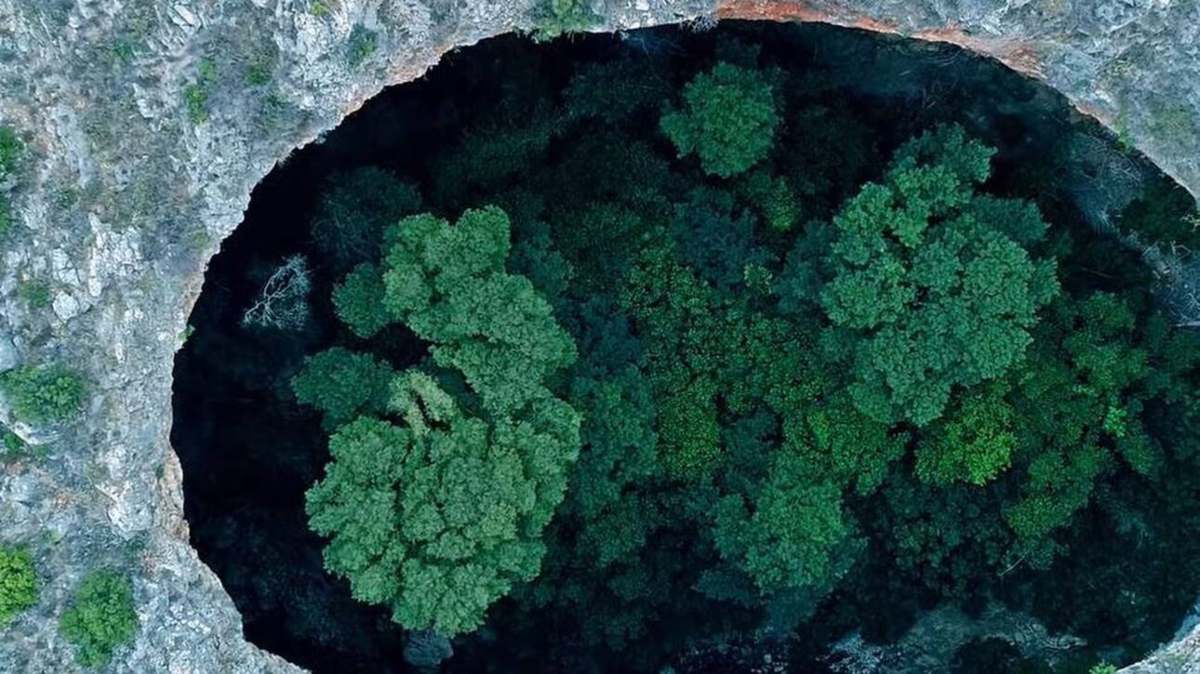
{"x":150,"y":121}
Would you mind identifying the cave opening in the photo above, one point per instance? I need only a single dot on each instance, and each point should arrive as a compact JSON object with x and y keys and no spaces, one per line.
{"x":544,"y":125}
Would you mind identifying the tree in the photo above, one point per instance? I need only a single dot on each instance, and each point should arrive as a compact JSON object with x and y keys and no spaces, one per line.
{"x":343,"y":384}
{"x":101,"y":617}
{"x":441,"y":514}
{"x":774,"y":198}
{"x":358,"y":301}
{"x":715,"y":240}
{"x":427,"y":648}
{"x":841,"y":444}
{"x":728,"y":119}
{"x":355,"y":208}
{"x":931,"y":289}
{"x":449,"y":286}
{"x":1080,"y":405}
{"x":613,"y":91}
{"x":505,"y":144}
{"x":18,"y":582}
{"x":440,"y":517}
{"x":283,"y":302}
{"x":792,"y":535}
{"x":973,"y":443}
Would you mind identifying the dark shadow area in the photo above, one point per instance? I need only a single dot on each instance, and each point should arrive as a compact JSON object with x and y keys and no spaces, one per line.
{"x":249,"y":451}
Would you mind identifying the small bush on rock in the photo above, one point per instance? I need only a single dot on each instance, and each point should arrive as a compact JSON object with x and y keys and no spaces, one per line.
{"x":18,"y":583}
{"x":11,"y":151}
{"x":100,"y":618}
{"x":40,"y":394}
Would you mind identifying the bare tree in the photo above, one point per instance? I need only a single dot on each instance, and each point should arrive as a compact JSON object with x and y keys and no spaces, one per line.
{"x":283,"y":302}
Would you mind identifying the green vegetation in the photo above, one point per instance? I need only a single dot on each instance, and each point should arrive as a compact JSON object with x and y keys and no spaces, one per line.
{"x":45,"y":393}
{"x":12,"y":443}
{"x":559,"y":17}
{"x":728,"y":119}
{"x":18,"y":583}
{"x":100,"y":619}
{"x":260,"y":67}
{"x":932,"y":286}
{"x":760,"y":381}
{"x":12,"y":150}
{"x":354,"y":211}
{"x":196,"y":95}
{"x":5,"y":214}
{"x":643,"y":361}
{"x":360,"y":45}
{"x":456,"y":517}
{"x":35,"y":292}
{"x":123,"y":50}
{"x":13,"y":448}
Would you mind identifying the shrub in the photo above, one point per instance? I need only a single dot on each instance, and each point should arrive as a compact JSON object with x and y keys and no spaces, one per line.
{"x":361,"y":44}
{"x":11,"y":151}
{"x":11,"y":445}
{"x":260,"y":66}
{"x":18,"y":583}
{"x":5,"y":214}
{"x":36,"y":293}
{"x":45,"y":393}
{"x":101,"y":617}
{"x":564,"y":16}
{"x":195,"y":95}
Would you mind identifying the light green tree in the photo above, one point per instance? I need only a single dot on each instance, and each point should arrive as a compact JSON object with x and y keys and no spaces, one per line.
{"x":931,"y":289}
{"x":435,"y":501}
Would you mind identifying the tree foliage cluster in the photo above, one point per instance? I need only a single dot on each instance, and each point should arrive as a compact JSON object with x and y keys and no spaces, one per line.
{"x":443,"y":475}
{"x":700,"y":356}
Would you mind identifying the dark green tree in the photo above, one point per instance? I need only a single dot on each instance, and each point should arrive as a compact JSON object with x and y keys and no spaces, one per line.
{"x":342,"y":385}
{"x":438,"y":517}
{"x":729,"y":118}
{"x":355,"y":208}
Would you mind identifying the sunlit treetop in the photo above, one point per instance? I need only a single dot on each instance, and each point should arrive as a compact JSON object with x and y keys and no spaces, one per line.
{"x":728,"y":118}
{"x":932,"y":287}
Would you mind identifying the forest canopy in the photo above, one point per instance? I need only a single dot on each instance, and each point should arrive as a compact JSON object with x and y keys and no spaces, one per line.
{"x":659,"y":358}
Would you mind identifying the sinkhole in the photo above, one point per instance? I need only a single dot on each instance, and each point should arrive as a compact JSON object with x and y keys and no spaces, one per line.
{"x":747,"y":348}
